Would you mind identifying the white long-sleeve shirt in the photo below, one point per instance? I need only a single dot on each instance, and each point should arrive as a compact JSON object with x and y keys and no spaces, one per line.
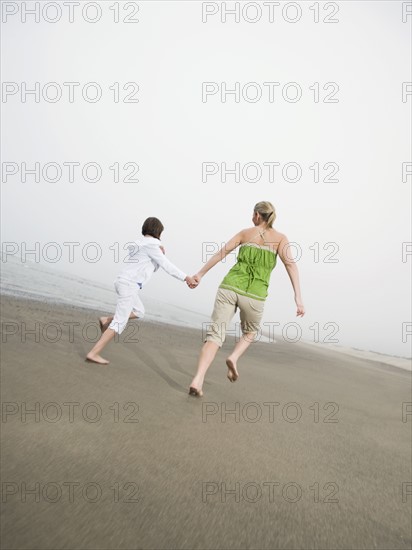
{"x":144,"y":258}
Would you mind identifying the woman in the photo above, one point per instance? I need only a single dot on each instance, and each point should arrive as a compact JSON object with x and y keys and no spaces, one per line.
{"x":244,"y":287}
{"x":145,"y":257}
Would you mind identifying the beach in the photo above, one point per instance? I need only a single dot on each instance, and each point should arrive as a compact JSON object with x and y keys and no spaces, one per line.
{"x":309,"y":449}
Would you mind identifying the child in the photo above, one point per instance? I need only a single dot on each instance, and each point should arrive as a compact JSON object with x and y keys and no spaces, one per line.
{"x":145,"y":257}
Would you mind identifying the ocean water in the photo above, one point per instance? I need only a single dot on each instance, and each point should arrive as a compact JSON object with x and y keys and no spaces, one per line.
{"x":34,"y":281}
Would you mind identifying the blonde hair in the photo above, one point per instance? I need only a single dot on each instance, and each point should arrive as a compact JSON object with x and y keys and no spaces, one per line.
{"x":267,"y":212}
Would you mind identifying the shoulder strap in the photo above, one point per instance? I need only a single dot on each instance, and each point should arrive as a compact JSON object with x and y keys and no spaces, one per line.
{"x":261,"y":235}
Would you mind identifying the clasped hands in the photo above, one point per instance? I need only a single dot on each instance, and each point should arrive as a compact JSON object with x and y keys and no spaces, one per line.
{"x":193,"y":281}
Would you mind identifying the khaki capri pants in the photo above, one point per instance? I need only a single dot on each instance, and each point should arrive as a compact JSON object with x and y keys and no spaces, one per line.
{"x":226,"y":303}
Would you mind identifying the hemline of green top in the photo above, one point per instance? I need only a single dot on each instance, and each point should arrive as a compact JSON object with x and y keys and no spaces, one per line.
{"x":250,"y":275}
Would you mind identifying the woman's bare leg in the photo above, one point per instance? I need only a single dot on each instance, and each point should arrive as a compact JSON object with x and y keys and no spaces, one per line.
{"x":240,"y":348}
{"x":207,"y":354}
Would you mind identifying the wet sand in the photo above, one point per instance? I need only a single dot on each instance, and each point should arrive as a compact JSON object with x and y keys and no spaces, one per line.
{"x":307,"y":450}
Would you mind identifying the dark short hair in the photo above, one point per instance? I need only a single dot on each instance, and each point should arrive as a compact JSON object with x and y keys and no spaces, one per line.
{"x":152,"y":227}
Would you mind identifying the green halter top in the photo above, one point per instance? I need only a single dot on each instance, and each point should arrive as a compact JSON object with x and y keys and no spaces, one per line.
{"x":251,"y":274}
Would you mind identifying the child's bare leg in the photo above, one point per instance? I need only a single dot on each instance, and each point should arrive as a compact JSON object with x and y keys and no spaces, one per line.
{"x":239,"y":349}
{"x":207,"y":354}
{"x":94,"y":354}
{"x":105,"y":321}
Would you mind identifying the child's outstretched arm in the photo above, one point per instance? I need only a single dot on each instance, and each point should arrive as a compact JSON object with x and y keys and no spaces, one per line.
{"x":159,"y":258}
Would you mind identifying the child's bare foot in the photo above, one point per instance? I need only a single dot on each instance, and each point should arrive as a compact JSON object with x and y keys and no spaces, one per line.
{"x":232,"y":373}
{"x":96,"y":359}
{"x":104,"y":323}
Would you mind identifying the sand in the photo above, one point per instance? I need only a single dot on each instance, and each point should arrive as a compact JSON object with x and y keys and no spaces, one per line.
{"x":315,"y":454}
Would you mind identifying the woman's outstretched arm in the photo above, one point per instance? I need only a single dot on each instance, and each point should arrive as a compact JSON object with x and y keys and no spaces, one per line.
{"x":234,"y":242}
{"x":292,"y":269}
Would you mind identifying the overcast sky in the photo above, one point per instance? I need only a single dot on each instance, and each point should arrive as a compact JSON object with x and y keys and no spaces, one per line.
{"x":349,"y":232}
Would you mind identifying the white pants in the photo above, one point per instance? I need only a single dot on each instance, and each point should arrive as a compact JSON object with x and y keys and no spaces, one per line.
{"x":128,"y":301}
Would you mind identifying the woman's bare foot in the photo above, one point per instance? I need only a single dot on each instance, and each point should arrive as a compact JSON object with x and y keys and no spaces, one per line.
{"x":96,"y":359}
{"x":104,"y":323}
{"x":232,"y":373}
{"x":196,"y":386}
{"x":195,"y":392}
